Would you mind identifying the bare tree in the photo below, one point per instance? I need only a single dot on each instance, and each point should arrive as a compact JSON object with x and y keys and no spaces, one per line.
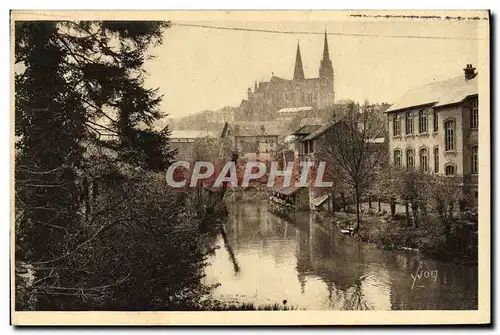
{"x":352,"y":145}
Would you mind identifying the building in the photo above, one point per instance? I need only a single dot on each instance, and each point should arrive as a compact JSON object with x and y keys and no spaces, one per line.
{"x":290,"y":113}
{"x":267,"y":98}
{"x":435,"y":128}
{"x":255,"y":140}
{"x":184,"y":141}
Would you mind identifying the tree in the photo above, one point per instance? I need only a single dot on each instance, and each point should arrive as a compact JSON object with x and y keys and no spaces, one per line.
{"x":49,"y":126}
{"x":352,"y":145}
{"x":412,"y":186}
{"x":79,"y":83}
{"x":443,"y":193}
{"x":82,"y":113}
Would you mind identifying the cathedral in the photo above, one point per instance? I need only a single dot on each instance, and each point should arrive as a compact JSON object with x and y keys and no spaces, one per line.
{"x":267,"y":98}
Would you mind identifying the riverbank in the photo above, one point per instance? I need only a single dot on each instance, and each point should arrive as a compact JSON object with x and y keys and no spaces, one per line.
{"x":454,"y":241}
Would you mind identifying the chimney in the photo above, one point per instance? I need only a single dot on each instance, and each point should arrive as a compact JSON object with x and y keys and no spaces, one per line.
{"x":470,"y":72}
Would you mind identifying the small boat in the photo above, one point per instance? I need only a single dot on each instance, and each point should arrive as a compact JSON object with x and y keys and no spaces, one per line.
{"x":346,"y":231}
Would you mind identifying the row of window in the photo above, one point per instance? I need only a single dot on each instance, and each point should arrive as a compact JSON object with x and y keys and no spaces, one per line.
{"x":424,"y":160}
{"x":449,"y":130}
{"x":306,"y":97}
{"x":423,"y":121}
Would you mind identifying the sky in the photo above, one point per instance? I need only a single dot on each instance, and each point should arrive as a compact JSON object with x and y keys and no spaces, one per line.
{"x":199,"y":68}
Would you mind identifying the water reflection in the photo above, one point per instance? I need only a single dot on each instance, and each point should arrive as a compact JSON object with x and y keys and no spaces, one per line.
{"x":264,"y":259}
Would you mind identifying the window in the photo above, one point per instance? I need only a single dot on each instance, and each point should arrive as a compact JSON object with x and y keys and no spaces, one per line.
{"x":422,"y":121}
{"x":449,"y":170}
{"x":474,"y":122}
{"x":397,"y":158}
{"x":309,"y":98}
{"x":474,"y":161}
{"x":424,"y":160}
{"x":409,"y":123}
{"x":435,"y":120}
{"x":449,"y":133}
{"x":410,"y":159}
{"x":436,"y":160}
{"x":396,"y":126}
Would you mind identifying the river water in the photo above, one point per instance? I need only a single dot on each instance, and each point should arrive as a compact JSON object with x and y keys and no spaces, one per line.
{"x":264,"y":259}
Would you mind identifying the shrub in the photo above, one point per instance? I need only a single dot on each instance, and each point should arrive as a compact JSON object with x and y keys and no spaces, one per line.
{"x":140,"y":250}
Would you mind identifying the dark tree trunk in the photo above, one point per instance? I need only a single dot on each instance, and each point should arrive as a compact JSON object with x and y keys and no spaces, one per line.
{"x":369,"y":201}
{"x":332,"y":195}
{"x":414,"y":212}
{"x":86,"y":197}
{"x":342,"y":195}
{"x":358,"y":219}
{"x":379,"y":205}
{"x":95,"y":190}
{"x":424,"y":210}
{"x":407,"y":212}
{"x":393,"y":206}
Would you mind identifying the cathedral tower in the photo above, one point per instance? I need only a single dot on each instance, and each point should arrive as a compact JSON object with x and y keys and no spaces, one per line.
{"x":326,"y":69}
{"x":298,"y":73}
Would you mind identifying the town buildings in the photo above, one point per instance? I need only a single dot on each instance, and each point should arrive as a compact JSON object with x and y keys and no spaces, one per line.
{"x":267,"y":98}
{"x":435,"y":128}
{"x":184,"y":142}
{"x":255,"y":140}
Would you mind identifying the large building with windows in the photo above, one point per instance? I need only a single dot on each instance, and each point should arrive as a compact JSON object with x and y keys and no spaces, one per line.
{"x":267,"y":98}
{"x":435,"y":128}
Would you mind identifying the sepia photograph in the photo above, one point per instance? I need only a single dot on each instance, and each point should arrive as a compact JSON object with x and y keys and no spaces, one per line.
{"x":237,"y":167}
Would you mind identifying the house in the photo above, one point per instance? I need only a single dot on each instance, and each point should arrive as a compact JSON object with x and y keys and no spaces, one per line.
{"x":435,"y":127}
{"x":300,"y":134}
{"x":255,"y":140}
{"x":287,"y":114}
{"x":184,"y":141}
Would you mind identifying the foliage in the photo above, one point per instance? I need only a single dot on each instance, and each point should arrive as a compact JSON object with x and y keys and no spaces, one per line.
{"x":141,"y":251}
{"x":350,"y":148}
{"x":98,"y":229}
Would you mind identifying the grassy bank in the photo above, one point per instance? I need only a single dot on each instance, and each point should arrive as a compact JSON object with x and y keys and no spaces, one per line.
{"x":451,"y":240}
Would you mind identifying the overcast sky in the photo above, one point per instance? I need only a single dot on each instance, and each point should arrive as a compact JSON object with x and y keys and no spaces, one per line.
{"x":199,"y":68}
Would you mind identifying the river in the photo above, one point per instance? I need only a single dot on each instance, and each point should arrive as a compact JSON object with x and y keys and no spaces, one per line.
{"x":264,"y":259}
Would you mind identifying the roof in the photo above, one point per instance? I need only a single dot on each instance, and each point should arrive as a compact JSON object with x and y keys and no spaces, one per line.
{"x":286,"y":190}
{"x":320,"y":131}
{"x":191,"y":134}
{"x":294,"y":109}
{"x":306,"y":129}
{"x":438,"y":94}
{"x":258,"y":128}
{"x":320,"y":200}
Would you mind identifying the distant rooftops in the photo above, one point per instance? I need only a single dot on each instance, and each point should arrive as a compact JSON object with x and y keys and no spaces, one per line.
{"x":191,"y":134}
{"x":441,"y":93}
{"x":294,"y":110}
{"x":256,"y":128}
{"x":319,"y":131}
{"x":306,"y":129}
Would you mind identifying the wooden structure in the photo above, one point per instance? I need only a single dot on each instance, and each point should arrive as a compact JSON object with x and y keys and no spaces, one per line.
{"x":283,"y":202}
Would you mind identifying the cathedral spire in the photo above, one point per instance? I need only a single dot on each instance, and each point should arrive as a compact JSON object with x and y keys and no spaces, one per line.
{"x":326,"y":54}
{"x":298,"y":73}
{"x":326,"y":69}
